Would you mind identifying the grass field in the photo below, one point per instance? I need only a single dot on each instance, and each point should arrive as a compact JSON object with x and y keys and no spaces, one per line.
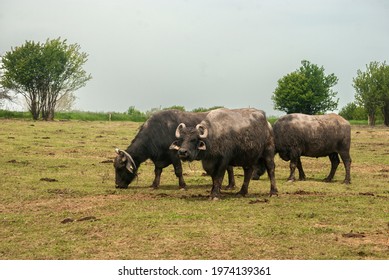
{"x":58,"y":201}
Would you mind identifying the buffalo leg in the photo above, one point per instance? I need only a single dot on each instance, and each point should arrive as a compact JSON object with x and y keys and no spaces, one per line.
{"x":292,"y":166}
{"x":270,"y":168}
{"x":347,"y":166}
{"x":216,"y":186}
{"x":157,"y":179}
{"x":231,"y":178}
{"x":248,"y":172}
{"x":259,"y":170}
{"x":334,"y":158}
{"x":178,"y":171}
{"x":300,"y":169}
{"x":218,"y":172}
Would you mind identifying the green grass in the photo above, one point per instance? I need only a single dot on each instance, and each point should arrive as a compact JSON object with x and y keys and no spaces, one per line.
{"x":364,"y":122}
{"x":77,"y":115}
{"x":308,"y":220}
{"x":104,"y":116}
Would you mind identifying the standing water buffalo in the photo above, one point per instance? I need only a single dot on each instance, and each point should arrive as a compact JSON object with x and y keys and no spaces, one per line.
{"x":152,"y":142}
{"x":299,"y":135}
{"x":240,"y":137}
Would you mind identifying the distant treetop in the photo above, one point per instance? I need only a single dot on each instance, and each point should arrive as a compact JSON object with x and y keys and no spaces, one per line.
{"x":307,"y":90}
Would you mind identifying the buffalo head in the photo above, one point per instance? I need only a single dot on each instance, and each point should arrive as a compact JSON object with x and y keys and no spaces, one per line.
{"x":190,"y":141}
{"x":125,"y":169}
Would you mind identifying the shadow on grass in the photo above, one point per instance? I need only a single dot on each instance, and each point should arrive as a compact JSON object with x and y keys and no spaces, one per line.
{"x":196,"y":193}
{"x":318,"y":180}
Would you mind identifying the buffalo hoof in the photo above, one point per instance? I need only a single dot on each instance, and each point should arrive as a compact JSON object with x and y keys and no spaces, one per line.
{"x":346,"y":182}
{"x":121,"y":187}
{"x":327,"y":180}
{"x":230,"y":187}
{"x":291,"y":180}
{"x":241,"y":194}
{"x":183,"y":189}
{"x":215,"y":198}
{"x":273,"y":193}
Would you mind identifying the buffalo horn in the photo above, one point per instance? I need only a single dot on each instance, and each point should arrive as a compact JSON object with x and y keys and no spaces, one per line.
{"x":203,"y":131}
{"x":179,"y":127}
{"x":129,"y":157}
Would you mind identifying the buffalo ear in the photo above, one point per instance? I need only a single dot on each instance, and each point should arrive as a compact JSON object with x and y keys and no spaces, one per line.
{"x":174,"y":146}
{"x":202,"y":146}
{"x":123,"y":157}
{"x":120,"y":153}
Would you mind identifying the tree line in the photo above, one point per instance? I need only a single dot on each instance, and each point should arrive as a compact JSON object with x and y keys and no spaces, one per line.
{"x":48,"y":74}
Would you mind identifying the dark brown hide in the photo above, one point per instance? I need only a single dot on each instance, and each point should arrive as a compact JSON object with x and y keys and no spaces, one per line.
{"x":240,"y":137}
{"x":152,"y":142}
{"x":299,"y":135}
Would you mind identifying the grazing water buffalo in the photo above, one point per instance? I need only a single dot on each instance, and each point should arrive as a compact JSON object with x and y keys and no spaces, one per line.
{"x":152,"y":142}
{"x":240,"y":137}
{"x":299,"y":135}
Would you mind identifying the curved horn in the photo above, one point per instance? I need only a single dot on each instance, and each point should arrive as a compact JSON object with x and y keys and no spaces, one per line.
{"x":203,"y":131}
{"x":129,"y":157}
{"x":179,"y":127}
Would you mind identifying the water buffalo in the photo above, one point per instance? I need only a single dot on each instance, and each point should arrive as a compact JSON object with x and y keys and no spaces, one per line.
{"x":240,"y":137}
{"x":152,"y":142}
{"x":299,"y":135}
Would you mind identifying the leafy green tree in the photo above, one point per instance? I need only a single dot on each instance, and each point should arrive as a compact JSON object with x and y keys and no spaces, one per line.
{"x":306,"y":90}
{"x":44,"y":73}
{"x":353,"y":112}
{"x":384,"y":94}
{"x":4,"y":96}
{"x":372,"y":90}
{"x":135,"y":114}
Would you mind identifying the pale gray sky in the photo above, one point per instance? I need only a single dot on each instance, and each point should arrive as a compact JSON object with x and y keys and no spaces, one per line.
{"x":202,"y":53}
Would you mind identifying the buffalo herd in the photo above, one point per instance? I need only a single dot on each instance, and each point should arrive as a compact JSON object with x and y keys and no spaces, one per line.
{"x":224,"y":138}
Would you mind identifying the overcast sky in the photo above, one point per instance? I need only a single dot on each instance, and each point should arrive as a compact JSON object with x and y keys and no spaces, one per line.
{"x":202,"y":53}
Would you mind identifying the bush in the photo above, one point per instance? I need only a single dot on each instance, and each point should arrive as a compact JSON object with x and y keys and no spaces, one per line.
{"x":14,"y":115}
{"x":136,"y":115}
{"x":175,"y":107}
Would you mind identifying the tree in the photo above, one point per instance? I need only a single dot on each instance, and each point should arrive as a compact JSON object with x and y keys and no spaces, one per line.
{"x":44,"y":73}
{"x":175,"y":107}
{"x":384,"y":81}
{"x":306,"y":90}
{"x":135,"y":114}
{"x":372,"y":90}
{"x":353,"y":112}
{"x":4,"y":96}
{"x":66,"y":102}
